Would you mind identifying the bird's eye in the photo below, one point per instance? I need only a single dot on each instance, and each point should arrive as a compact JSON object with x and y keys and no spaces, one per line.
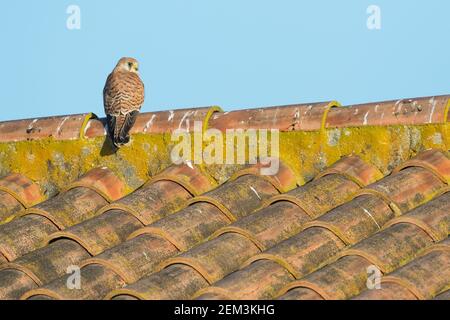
{"x":130,"y":65}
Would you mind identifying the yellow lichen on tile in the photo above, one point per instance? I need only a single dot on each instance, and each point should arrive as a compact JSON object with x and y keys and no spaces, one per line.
{"x":54,"y":164}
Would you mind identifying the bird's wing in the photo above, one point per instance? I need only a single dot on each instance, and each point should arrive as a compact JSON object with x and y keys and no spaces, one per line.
{"x":111,"y":121}
{"x":127,"y":124}
{"x":108,"y":95}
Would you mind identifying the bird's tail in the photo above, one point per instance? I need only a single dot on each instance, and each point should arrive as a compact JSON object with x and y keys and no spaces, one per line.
{"x":119,"y":127}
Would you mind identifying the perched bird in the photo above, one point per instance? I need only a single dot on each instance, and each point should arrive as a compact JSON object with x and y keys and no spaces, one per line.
{"x":123,"y":97}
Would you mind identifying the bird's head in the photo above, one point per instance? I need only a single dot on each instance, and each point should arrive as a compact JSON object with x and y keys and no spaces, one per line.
{"x":128,"y":65}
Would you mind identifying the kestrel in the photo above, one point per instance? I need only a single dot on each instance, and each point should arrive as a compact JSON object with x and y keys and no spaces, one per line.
{"x":123,"y":97}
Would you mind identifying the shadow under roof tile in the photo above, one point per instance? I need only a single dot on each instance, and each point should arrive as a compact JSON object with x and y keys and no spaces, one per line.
{"x":444,"y":245}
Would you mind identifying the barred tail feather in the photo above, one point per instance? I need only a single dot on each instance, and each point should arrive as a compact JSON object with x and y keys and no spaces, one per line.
{"x":128,"y":123}
{"x":119,"y":127}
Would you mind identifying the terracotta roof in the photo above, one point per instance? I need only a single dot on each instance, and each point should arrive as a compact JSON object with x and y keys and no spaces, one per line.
{"x":360,"y":189}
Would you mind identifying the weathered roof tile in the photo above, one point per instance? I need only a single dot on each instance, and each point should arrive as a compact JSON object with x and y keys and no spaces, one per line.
{"x":236,"y":243}
{"x":158,"y":122}
{"x":424,"y":278}
{"x":59,"y":128}
{"x":323,"y":238}
{"x":22,"y":189}
{"x":307,"y":232}
{"x":302,"y":117}
{"x":9,"y":207}
{"x":24,"y":235}
{"x":400,"y":112}
{"x":101,"y":232}
{"x":17,"y":193}
{"x":387,"y":250}
{"x":40,"y":266}
{"x":82,"y":200}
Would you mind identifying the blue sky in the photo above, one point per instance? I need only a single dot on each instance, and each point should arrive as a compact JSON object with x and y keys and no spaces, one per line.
{"x":233,"y":53}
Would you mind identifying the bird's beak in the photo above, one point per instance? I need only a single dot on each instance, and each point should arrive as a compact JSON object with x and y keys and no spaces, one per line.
{"x":136,"y":67}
